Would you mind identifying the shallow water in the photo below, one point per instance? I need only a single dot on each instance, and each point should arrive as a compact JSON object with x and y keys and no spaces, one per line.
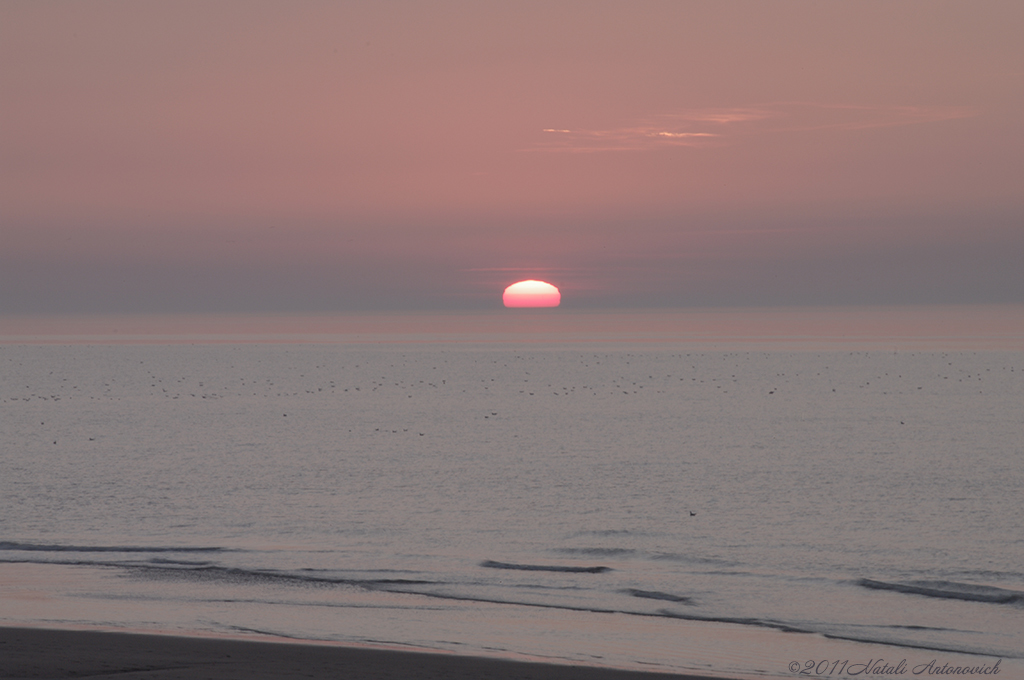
{"x":465,"y":497}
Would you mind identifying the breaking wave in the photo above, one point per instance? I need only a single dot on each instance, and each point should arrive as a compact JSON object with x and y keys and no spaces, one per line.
{"x":57,"y":547}
{"x":949,"y":590}
{"x":491,"y":564}
{"x":657,"y":595}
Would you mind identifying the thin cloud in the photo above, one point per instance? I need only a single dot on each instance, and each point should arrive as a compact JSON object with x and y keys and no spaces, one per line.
{"x":625,"y":139}
{"x":685,"y":135}
{"x":724,"y":115}
{"x":701,"y":127}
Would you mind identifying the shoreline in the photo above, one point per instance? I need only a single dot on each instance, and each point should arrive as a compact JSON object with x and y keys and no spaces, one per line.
{"x":28,"y":652}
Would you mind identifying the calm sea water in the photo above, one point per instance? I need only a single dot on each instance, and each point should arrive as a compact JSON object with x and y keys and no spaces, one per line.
{"x":631,"y":505}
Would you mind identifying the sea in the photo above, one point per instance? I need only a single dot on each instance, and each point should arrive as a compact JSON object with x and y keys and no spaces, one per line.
{"x":626,"y":491}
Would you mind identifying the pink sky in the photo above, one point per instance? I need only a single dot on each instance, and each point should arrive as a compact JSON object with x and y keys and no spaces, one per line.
{"x":320,"y":156}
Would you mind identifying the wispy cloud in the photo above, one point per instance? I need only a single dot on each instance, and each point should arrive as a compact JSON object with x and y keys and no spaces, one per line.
{"x":701,"y":127}
{"x":635,"y":138}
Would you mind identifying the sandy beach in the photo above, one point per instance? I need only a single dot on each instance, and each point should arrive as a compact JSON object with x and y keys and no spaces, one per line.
{"x":39,"y":653}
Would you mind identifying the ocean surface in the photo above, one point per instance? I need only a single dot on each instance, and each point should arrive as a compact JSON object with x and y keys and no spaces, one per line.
{"x":639,"y":505}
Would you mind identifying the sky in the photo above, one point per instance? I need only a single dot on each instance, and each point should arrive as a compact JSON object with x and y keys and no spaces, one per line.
{"x":251,"y":157}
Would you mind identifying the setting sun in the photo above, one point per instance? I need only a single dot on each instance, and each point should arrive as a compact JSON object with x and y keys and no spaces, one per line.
{"x":531,"y":294}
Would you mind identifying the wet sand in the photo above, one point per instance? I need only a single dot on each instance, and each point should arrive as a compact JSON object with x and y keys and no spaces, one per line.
{"x":39,"y":653}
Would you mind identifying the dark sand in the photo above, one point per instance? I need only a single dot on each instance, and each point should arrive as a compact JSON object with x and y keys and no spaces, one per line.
{"x":38,"y":653}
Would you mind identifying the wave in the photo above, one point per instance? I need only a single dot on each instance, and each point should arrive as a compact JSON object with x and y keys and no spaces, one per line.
{"x":657,"y":595}
{"x":833,"y":635}
{"x":236,"y":574}
{"x":742,"y":621}
{"x":949,"y":590}
{"x":905,"y":644}
{"x":783,"y":626}
{"x":442,"y":590}
{"x":204,"y":571}
{"x":653,"y":556}
{"x":610,"y":532}
{"x":694,"y":559}
{"x":58,"y":547}
{"x":597,"y":552}
{"x":182,"y":563}
{"x":491,"y":564}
